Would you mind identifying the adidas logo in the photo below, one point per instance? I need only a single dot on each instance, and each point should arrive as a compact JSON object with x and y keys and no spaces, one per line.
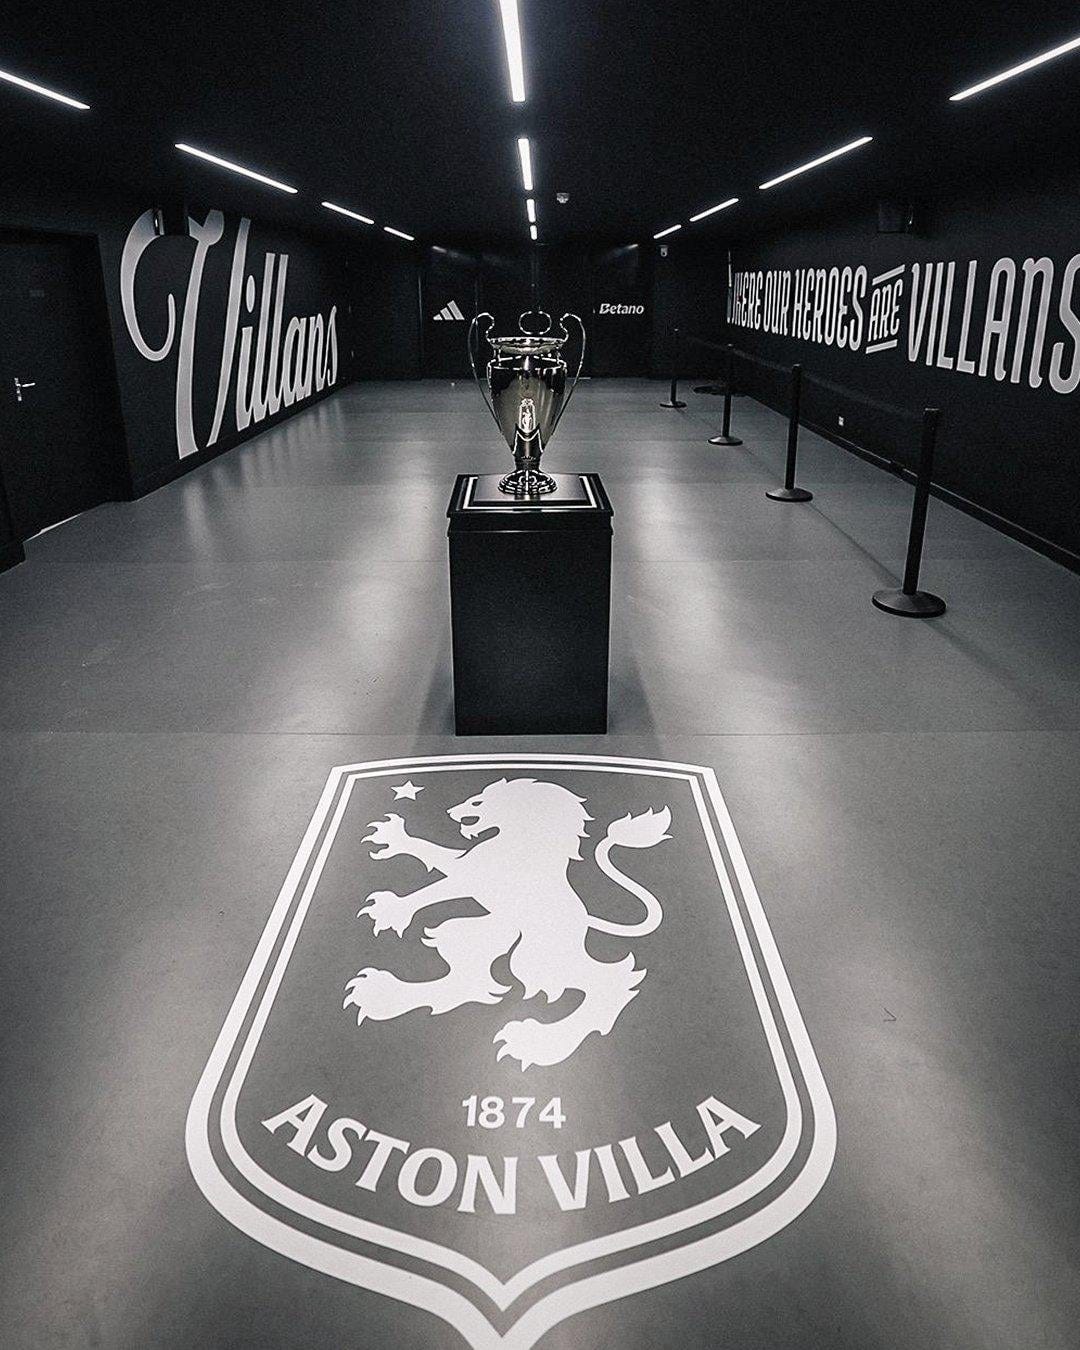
{"x":449,"y":311}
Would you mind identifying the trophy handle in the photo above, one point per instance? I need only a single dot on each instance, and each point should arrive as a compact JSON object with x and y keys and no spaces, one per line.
{"x":577,"y":373}
{"x":486,"y":337}
{"x":543,"y":314}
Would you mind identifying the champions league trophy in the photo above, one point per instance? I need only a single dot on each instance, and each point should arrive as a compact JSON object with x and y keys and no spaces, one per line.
{"x":529,"y":393}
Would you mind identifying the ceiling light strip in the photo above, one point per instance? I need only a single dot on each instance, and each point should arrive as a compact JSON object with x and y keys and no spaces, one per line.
{"x":813,"y":164}
{"x":41,"y":89}
{"x":399,"y":234}
{"x":532,"y":233}
{"x":235,"y":168}
{"x":530,"y":210}
{"x":511,"y":23}
{"x":344,"y":211}
{"x":1013,"y":71}
{"x":670,"y":230}
{"x":712,"y":210}
{"x":525,"y":155}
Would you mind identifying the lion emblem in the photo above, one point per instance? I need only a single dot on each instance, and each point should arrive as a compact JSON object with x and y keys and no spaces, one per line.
{"x":519,"y":876}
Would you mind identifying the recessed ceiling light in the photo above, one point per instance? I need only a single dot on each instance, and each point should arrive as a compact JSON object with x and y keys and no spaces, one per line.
{"x":1016,"y":70}
{"x":236,"y":168}
{"x":525,"y":152}
{"x":711,"y":210}
{"x":399,"y":233}
{"x":530,"y":210}
{"x":532,"y":233}
{"x":821,"y":159}
{"x":41,"y":89}
{"x":344,"y":211}
{"x":511,"y":22}
{"x":670,"y":230}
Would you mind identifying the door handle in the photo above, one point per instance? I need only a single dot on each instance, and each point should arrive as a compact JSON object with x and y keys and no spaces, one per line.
{"x":20,"y":385}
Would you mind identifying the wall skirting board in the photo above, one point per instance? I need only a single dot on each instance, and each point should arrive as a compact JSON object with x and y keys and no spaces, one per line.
{"x":151,"y":481}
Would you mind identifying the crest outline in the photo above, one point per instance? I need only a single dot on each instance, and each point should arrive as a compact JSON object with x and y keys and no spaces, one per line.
{"x":254,"y":999}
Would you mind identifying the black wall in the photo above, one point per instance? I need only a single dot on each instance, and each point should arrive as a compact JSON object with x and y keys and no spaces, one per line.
{"x":689,"y":291}
{"x":260,"y":363}
{"x":629,"y":297}
{"x":1008,"y":444}
{"x":385,"y":299}
{"x":1010,"y":439}
{"x":609,"y":288}
{"x":316,"y":293}
{"x":448,"y":283}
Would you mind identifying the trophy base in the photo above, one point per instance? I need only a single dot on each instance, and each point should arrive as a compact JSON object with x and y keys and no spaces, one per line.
{"x":572,"y":493}
{"x":527,"y":483}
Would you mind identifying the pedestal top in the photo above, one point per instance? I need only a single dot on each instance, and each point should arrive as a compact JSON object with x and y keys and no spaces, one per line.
{"x":579,"y":500}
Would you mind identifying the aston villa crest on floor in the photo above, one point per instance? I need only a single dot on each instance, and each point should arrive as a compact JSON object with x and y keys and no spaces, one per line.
{"x":516,"y":1041}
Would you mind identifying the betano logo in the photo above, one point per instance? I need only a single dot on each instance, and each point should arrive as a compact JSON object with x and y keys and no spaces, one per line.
{"x":449,"y":311}
{"x":607,"y":308}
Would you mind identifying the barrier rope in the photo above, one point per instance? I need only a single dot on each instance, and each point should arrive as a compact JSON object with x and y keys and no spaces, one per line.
{"x":909,"y":600}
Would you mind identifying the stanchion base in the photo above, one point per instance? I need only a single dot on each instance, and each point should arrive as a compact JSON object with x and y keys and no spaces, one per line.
{"x":790,"y":495}
{"x":724,"y":440}
{"x":677,"y":404}
{"x":921,"y":605}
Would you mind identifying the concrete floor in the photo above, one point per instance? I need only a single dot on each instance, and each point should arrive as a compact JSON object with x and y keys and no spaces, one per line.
{"x":179,"y":675}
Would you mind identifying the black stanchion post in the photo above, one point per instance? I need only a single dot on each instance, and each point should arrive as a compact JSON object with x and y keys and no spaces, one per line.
{"x":909,"y":601}
{"x":725,"y":437}
{"x":673,"y":399}
{"x":789,"y":492}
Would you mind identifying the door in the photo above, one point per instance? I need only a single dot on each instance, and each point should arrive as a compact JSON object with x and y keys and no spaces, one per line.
{"x":61,"y":445}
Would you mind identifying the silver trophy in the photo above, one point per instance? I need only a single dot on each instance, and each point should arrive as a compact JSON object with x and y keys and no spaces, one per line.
{"x":526,"y":376}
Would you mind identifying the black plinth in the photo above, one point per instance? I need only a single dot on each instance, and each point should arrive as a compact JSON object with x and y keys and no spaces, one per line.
{"x":530,"y":590}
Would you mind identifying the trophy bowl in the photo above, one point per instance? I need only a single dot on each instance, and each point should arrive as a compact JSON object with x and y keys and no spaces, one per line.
{"x":527,"y":380}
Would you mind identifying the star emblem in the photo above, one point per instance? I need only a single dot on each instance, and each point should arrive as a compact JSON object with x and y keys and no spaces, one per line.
{"x":408,"y":790}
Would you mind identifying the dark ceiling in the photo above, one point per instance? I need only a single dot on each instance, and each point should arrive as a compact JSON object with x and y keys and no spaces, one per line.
{"x":643,"y":112}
